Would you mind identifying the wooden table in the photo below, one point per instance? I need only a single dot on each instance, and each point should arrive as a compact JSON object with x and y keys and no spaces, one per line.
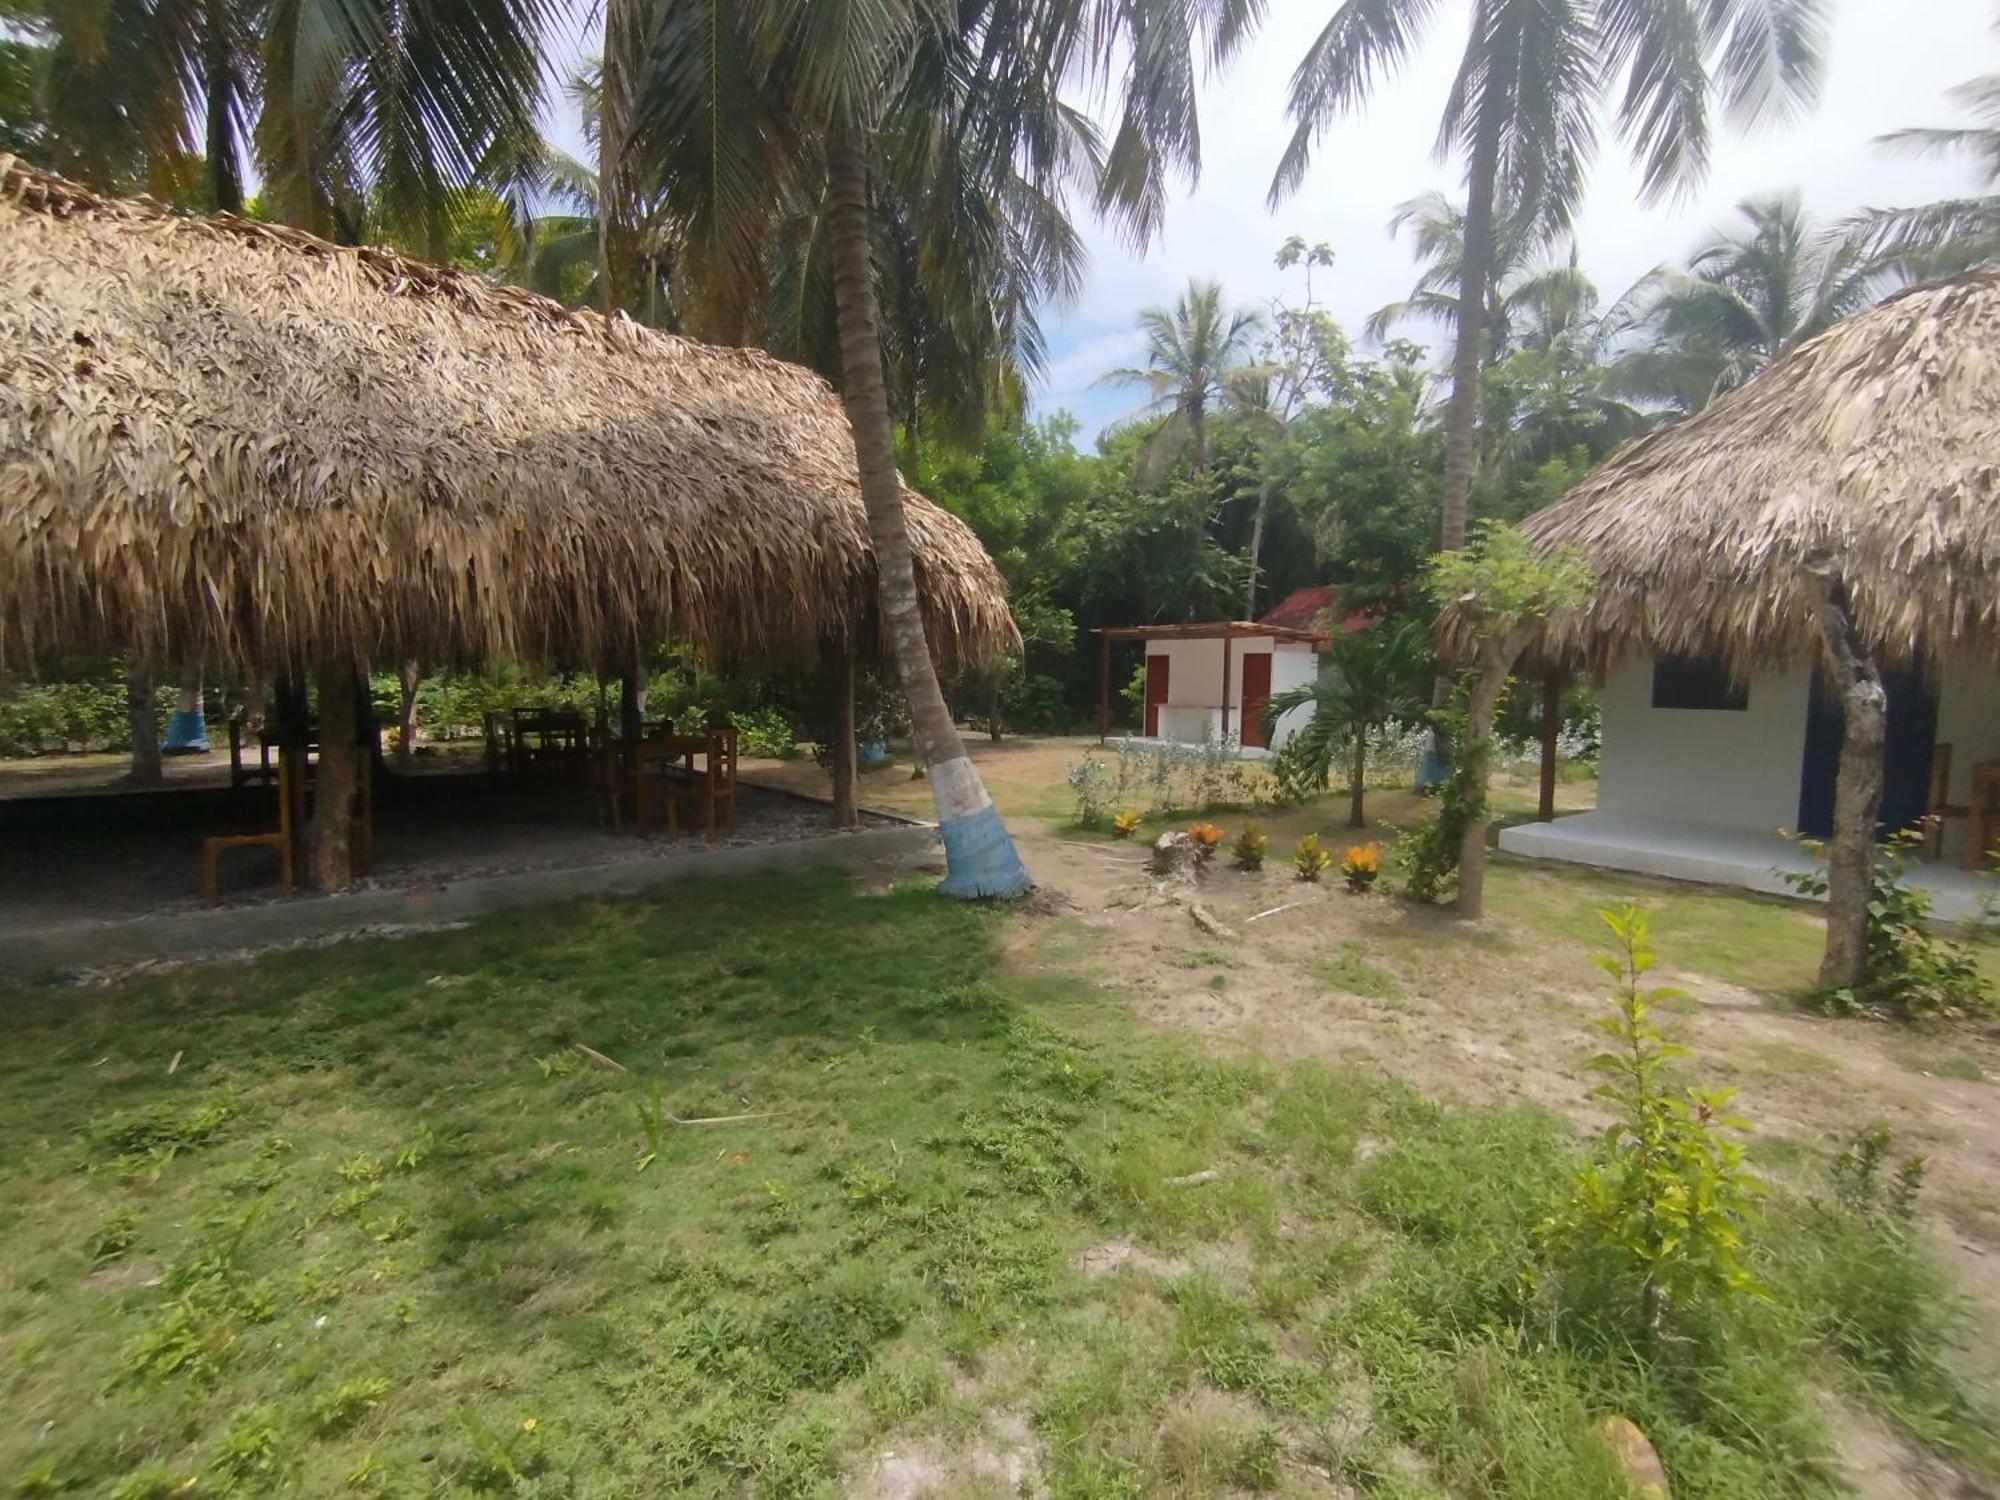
{"x":1983,"y":813}
{"x":664,"y":773}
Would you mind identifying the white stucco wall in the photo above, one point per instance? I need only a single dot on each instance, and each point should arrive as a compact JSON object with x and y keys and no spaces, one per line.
{"x":1292,"y":666}
{"x":1968,"y":721}
{"x":1193,"y":709}
{"x":1735,"y":768}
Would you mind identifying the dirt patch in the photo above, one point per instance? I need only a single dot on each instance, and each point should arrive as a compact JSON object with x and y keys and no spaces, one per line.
{"x":1001,"y":1457}
{"x":1119,"y":1255}
{"x":1881,"y":1464}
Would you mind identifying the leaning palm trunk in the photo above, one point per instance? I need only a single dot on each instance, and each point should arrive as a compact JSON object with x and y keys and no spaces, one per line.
{"x":980,"y":857}
{"x":1857,"y":796}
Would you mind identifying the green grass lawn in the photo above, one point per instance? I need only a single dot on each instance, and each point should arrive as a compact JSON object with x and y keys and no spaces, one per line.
{"x":388,"y":1228}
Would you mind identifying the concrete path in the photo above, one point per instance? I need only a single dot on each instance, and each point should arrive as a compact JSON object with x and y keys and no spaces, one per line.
{"x":71,"y":946}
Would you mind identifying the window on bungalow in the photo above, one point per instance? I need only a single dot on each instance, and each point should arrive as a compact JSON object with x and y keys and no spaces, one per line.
{"x":1697,"y":682}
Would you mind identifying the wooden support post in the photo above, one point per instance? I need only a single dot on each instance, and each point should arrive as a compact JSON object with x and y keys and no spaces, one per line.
{"x":631,"y":702}
{"x":1104,"y":687}
{"x":337,"y":780}
{"x":143,"y":716}
{"x":842,"y":756}
{"x":1226,"y":643}
{"x":1552,"y":697}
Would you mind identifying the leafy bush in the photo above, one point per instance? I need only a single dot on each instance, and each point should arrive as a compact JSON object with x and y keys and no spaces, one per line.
{"x":1248,"y":849}
{"x":1126,"y":823}
{"x":1090,"y":785}
{"x":1034,"y":704}
{"x":1309,"y":859}
{"x":1657,"y":1221}
{"x":45,"y":718}
{"x":1205,"y":837}
{"x":1912,"y":973}
{"x":766,"y":732}
{"x":1360,"y":865}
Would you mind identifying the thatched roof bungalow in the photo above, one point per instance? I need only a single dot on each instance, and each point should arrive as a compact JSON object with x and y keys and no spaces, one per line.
{"x":1860,"y":472}
{"x":229,"y":442}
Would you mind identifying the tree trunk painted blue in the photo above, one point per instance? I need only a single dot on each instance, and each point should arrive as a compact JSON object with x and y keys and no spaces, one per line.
{"x":980,"y":859}
{"x":187,"y":729}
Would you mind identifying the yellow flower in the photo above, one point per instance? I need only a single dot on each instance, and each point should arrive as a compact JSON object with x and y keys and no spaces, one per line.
{"x":527,"y":1424}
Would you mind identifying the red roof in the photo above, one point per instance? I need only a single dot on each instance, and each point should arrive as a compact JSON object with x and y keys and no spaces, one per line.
{"x":1310,"y":609}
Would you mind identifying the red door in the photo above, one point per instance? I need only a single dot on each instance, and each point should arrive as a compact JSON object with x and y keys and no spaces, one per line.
{"x":1256,"y":691}
{"x":1156,"y":692}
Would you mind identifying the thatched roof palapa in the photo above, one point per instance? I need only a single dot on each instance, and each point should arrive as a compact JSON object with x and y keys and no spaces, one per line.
{"x":1874,"y":447}
{"x":228,"y":441}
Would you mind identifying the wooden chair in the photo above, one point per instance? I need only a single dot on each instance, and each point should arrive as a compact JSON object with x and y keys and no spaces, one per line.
{"x":1938,"y":805}
{"x":214,"y":847}
{"x":713,"y":789}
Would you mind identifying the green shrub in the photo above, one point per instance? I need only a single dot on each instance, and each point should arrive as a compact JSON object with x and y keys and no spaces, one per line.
{"x":1913,"y":974}
{"x":1034,"y":704}
{"x":1657,"y":1220}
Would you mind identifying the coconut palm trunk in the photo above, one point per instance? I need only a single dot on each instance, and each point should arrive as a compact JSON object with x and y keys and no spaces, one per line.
{"x":980,"y":856}
{"x":1461,"y":417}
{"x":1496,"y":661}
{"x":1857,"y":795}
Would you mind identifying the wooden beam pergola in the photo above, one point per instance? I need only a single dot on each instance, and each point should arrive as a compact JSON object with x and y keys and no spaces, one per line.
{"x":1225,"y":631}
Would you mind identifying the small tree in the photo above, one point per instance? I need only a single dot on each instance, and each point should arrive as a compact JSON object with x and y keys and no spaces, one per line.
{"x":1367,"y":678}
{"x":1499,"y":587}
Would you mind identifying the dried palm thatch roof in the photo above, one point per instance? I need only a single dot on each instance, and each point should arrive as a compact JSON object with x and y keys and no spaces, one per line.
{"x":1874,"y":448}
{"x":226,"y":441}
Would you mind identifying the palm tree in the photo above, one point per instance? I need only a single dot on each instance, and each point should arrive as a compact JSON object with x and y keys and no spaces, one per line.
{"x":1529,"y":299}
{"x":366,"y":116}
{"x":1193,"y":351}
{"x":957,"y":111}
{"x":1955,"y":234}
{"x":1746,"y":297}
{"x":1367,"y":678}
{"x":1523,"y":113}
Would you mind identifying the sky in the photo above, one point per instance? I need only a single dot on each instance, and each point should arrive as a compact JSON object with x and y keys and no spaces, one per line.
{"x":1889,"y":65}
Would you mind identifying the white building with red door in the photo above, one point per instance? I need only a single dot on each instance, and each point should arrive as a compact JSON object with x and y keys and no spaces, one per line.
{"x":1210,"y":680}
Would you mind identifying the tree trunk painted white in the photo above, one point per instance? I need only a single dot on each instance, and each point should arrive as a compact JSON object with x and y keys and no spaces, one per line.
{"x":336,"y":781}
{"x":980,"y":858}
{"x":144,"y":717}
{"x":1496,"y":660}
{"x":1857,"y":796}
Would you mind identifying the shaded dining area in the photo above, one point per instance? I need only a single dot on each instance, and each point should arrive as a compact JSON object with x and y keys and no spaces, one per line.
{"x":353,"y":460}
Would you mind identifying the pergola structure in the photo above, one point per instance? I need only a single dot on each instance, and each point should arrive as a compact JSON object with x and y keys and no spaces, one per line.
{"x":231,"y":444}
{"x":1226,"y":631}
